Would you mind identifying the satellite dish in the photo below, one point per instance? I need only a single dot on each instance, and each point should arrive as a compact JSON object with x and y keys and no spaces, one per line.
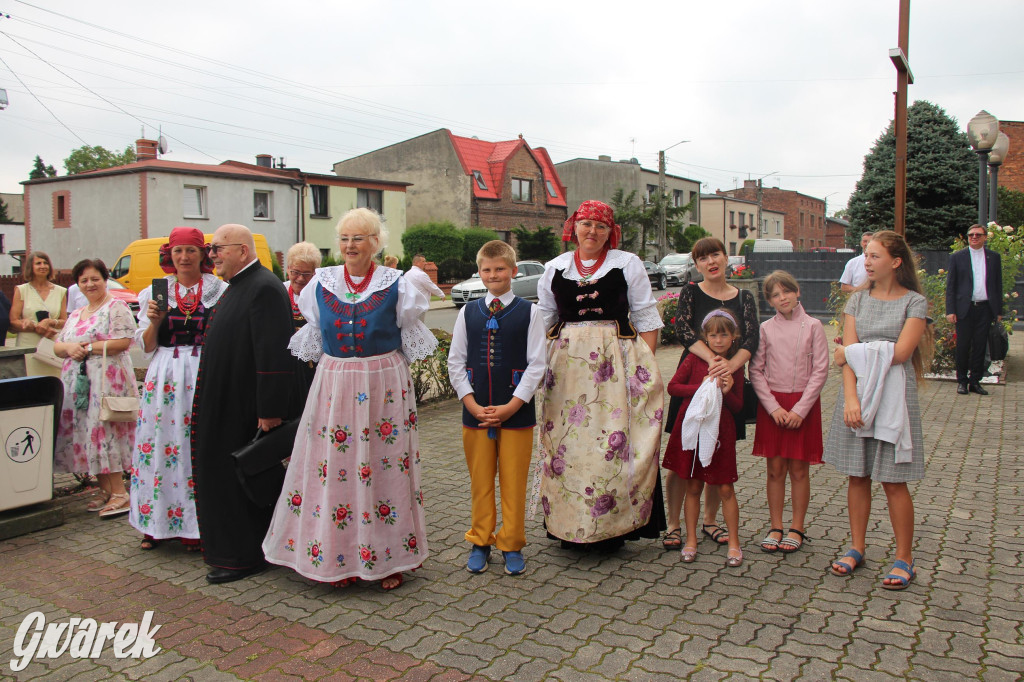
{"x":162,"y":145}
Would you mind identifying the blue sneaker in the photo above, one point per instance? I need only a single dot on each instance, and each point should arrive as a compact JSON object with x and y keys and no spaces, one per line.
{"x":478,"y":557}
{"x":514,"y":563}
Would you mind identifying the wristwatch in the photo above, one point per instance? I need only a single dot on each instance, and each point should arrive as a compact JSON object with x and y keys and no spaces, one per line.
{"x":88,"y":349}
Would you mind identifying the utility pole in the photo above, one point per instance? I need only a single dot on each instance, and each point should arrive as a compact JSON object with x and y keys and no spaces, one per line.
{"x":904,"y":78}
{"x":662,"y":237}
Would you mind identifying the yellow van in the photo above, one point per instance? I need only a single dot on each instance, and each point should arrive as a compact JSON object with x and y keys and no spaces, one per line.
{"x":139,"y":263}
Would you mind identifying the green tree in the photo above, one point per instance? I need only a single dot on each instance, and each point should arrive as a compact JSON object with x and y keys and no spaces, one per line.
{"x":438,"y":241}
{"x":942,"y":174}
{"x":1011,"y":207}
{"x":473,"y":238}
{"x":684,"y":240}
{"x":89,"y":158}
{"x":639,"y":220}
{"x":540,"y":244}
{"x":40,"y":170}
{"x":4,"y":218}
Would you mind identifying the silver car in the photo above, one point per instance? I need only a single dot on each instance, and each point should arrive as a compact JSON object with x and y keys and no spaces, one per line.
{"x":678,"y":267}
{"x":524,"y":284}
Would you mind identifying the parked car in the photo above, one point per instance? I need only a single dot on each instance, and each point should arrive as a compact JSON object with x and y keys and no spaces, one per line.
{"x":524,"y":284}
{"x":657,"y":275}
{"x":734,"y":262}
{"x":677,"y":267}
{"x":123,"y":293}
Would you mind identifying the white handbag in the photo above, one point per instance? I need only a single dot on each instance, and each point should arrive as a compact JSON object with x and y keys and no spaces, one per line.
{"x":116,"y":408}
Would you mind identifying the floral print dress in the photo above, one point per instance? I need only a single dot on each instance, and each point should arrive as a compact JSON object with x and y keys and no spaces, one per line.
{"x":163,"y":499}
{"x":84,"y":443}
{"x":603,"y":400}
{"x":352,"y":504}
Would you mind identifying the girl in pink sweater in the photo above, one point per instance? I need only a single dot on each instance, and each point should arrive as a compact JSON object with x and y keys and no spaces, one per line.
{"x":788,"y":372}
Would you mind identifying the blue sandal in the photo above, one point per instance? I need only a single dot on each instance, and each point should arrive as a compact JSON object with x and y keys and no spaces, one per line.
{"x":857,"y":557}
{"x":903,"y":582}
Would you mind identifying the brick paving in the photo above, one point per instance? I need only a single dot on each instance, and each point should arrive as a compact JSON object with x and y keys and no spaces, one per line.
{"x":637,"y":615}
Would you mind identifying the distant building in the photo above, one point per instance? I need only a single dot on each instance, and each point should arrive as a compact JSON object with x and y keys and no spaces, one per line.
{"x":1011,"y":173}
{"x":805,"y":215}
{"x":499,"y":185}
{"x":97,"y":213}
{"x":325,"y":198}
{"x":12,"y":234}
{"x":729,"y":219}
{"x":599,"y":178}
{"x":836,"y":231}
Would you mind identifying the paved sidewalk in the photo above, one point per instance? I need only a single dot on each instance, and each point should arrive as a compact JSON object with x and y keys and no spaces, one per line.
{"x":638,"y":615}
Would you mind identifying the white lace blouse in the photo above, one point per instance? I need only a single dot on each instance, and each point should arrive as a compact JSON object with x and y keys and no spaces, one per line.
{"x":213,"y":289}
{"x":417,"y":341}
{"x":643,"y":308}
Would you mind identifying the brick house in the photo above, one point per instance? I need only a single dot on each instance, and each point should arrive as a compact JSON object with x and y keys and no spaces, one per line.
{"x":805,"y":215}
{"x":836,"y":230}
{"x":1011,"y":173}
{"x":499,"y":185}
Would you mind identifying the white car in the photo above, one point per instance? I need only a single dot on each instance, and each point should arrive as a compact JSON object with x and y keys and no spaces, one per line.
{"x":524,"y":284}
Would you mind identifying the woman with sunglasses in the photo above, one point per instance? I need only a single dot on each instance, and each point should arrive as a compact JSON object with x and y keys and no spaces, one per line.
{"x":163,"y":503}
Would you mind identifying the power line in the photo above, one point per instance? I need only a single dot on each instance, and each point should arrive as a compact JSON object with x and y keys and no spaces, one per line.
{"x":29,"y":90}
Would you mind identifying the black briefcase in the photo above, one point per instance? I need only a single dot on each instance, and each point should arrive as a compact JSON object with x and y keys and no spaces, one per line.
{"x":259,"y":465}
{"x":998,"y":342}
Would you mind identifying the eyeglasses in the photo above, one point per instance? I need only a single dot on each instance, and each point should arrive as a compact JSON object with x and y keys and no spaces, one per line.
{"x":214,"y":248}
{"x":354,"y":241}
{"x":297,"y":274}
{"x":597,"y":227}
{"x":975,"y":234}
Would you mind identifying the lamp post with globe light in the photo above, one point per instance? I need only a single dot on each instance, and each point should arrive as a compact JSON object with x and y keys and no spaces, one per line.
{"x":995,"y":159}
{"x":982,"y":131}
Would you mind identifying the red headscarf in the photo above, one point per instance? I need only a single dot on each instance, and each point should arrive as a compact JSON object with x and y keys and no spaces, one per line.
{"x":184,"y":236}
{"x":592,"y":210}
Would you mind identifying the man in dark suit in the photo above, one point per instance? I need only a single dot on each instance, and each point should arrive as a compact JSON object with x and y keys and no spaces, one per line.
{"x":974,"y":298}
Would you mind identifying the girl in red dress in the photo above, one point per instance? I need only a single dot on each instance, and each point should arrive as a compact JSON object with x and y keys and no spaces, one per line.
{"x":720,"y":332}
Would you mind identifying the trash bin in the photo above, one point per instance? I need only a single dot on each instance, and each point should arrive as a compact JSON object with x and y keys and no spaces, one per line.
{"x":29,"y":415}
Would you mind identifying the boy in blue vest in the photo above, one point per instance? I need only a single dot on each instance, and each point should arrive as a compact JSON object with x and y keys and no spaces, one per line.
{"x":496,"y":362}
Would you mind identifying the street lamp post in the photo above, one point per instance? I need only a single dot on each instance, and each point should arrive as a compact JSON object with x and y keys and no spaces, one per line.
{"x":995,"y":159}
{"x":662,"y":223}
{"x":982,"y":131}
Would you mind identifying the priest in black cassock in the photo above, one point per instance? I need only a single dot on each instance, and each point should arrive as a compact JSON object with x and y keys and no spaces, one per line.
{"x":245,"y":379}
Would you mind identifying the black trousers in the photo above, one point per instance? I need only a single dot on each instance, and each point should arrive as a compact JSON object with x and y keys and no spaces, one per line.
{"x":971,"y":341}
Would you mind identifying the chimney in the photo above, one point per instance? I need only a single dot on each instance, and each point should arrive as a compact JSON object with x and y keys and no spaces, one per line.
{"x":265,"y":160}
{"x":750,"y":184}
{"x":604,"y":157}
{"x":145,"y":150}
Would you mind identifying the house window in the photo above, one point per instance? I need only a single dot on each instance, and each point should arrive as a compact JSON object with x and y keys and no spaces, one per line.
{"x":263,"y":205}
{"x":370,"y":198}
{"x":522,"y":190}
{"x":732,"y":248}
{"x":743,"y":219}
{"x":732,"y":218}
{"x":318,"y":193}
{"x":677,"y":197}
{"x":2,"y":242}
{"x":778,"y":227}
{"x":478,"y":176}
{"x":652,"y":192}
{"x":62,"y":208}
{"x":801,"y":218}
{"x":194,"y":201}
{"x":551,"y":188}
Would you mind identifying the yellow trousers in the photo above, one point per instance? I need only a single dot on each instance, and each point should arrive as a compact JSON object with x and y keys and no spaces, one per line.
{"x":508,"y":456}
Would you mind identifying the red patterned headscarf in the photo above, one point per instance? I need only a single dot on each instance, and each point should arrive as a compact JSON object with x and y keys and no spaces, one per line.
{"x":593,"y":210}
{"x":185,"y":236}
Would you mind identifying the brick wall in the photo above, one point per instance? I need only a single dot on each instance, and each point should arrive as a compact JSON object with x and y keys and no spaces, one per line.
{"x":1011,"y":173}
{"x":805,"y":215}
{"x":504,"y":214}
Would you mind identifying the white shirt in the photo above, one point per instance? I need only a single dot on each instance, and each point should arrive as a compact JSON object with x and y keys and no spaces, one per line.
{"x":980,"y":292}
{"x":76,"y":299}
{"x":536,"y":352}
{"x":854,"y":273}
{"x":422,"y":281}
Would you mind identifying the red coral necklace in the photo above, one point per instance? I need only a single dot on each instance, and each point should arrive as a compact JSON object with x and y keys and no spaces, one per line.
{"x":357,"y":289}
{"x":188,"y":303}
{"x":586,"y":272}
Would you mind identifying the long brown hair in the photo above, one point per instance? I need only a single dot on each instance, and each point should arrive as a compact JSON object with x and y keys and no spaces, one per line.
{"x":906,"y":276}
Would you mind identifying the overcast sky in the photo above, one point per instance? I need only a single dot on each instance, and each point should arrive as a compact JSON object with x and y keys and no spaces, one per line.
{"x":795,"y":91}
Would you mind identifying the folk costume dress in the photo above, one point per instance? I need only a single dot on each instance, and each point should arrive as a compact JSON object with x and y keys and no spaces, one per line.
{"x":86,"y":445}
{"x":304,"y":369}
{"x":162,"y":490}
{"x":603,"y":400}
{"x":352,"y":504}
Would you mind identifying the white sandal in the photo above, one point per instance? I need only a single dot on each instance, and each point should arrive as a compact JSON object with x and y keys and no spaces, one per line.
{"x":98,"y":502}
{"x":117,"y":505}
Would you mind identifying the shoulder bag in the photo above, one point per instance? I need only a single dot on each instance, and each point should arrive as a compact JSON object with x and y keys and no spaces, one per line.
{"x":116,"y":408}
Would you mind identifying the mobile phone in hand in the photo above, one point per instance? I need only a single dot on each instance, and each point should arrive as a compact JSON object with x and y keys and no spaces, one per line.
{"x":160,"y":294}
{"x":42,"y":315}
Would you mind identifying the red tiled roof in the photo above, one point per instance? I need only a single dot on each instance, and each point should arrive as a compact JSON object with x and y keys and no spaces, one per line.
{"x":490,"y":158}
